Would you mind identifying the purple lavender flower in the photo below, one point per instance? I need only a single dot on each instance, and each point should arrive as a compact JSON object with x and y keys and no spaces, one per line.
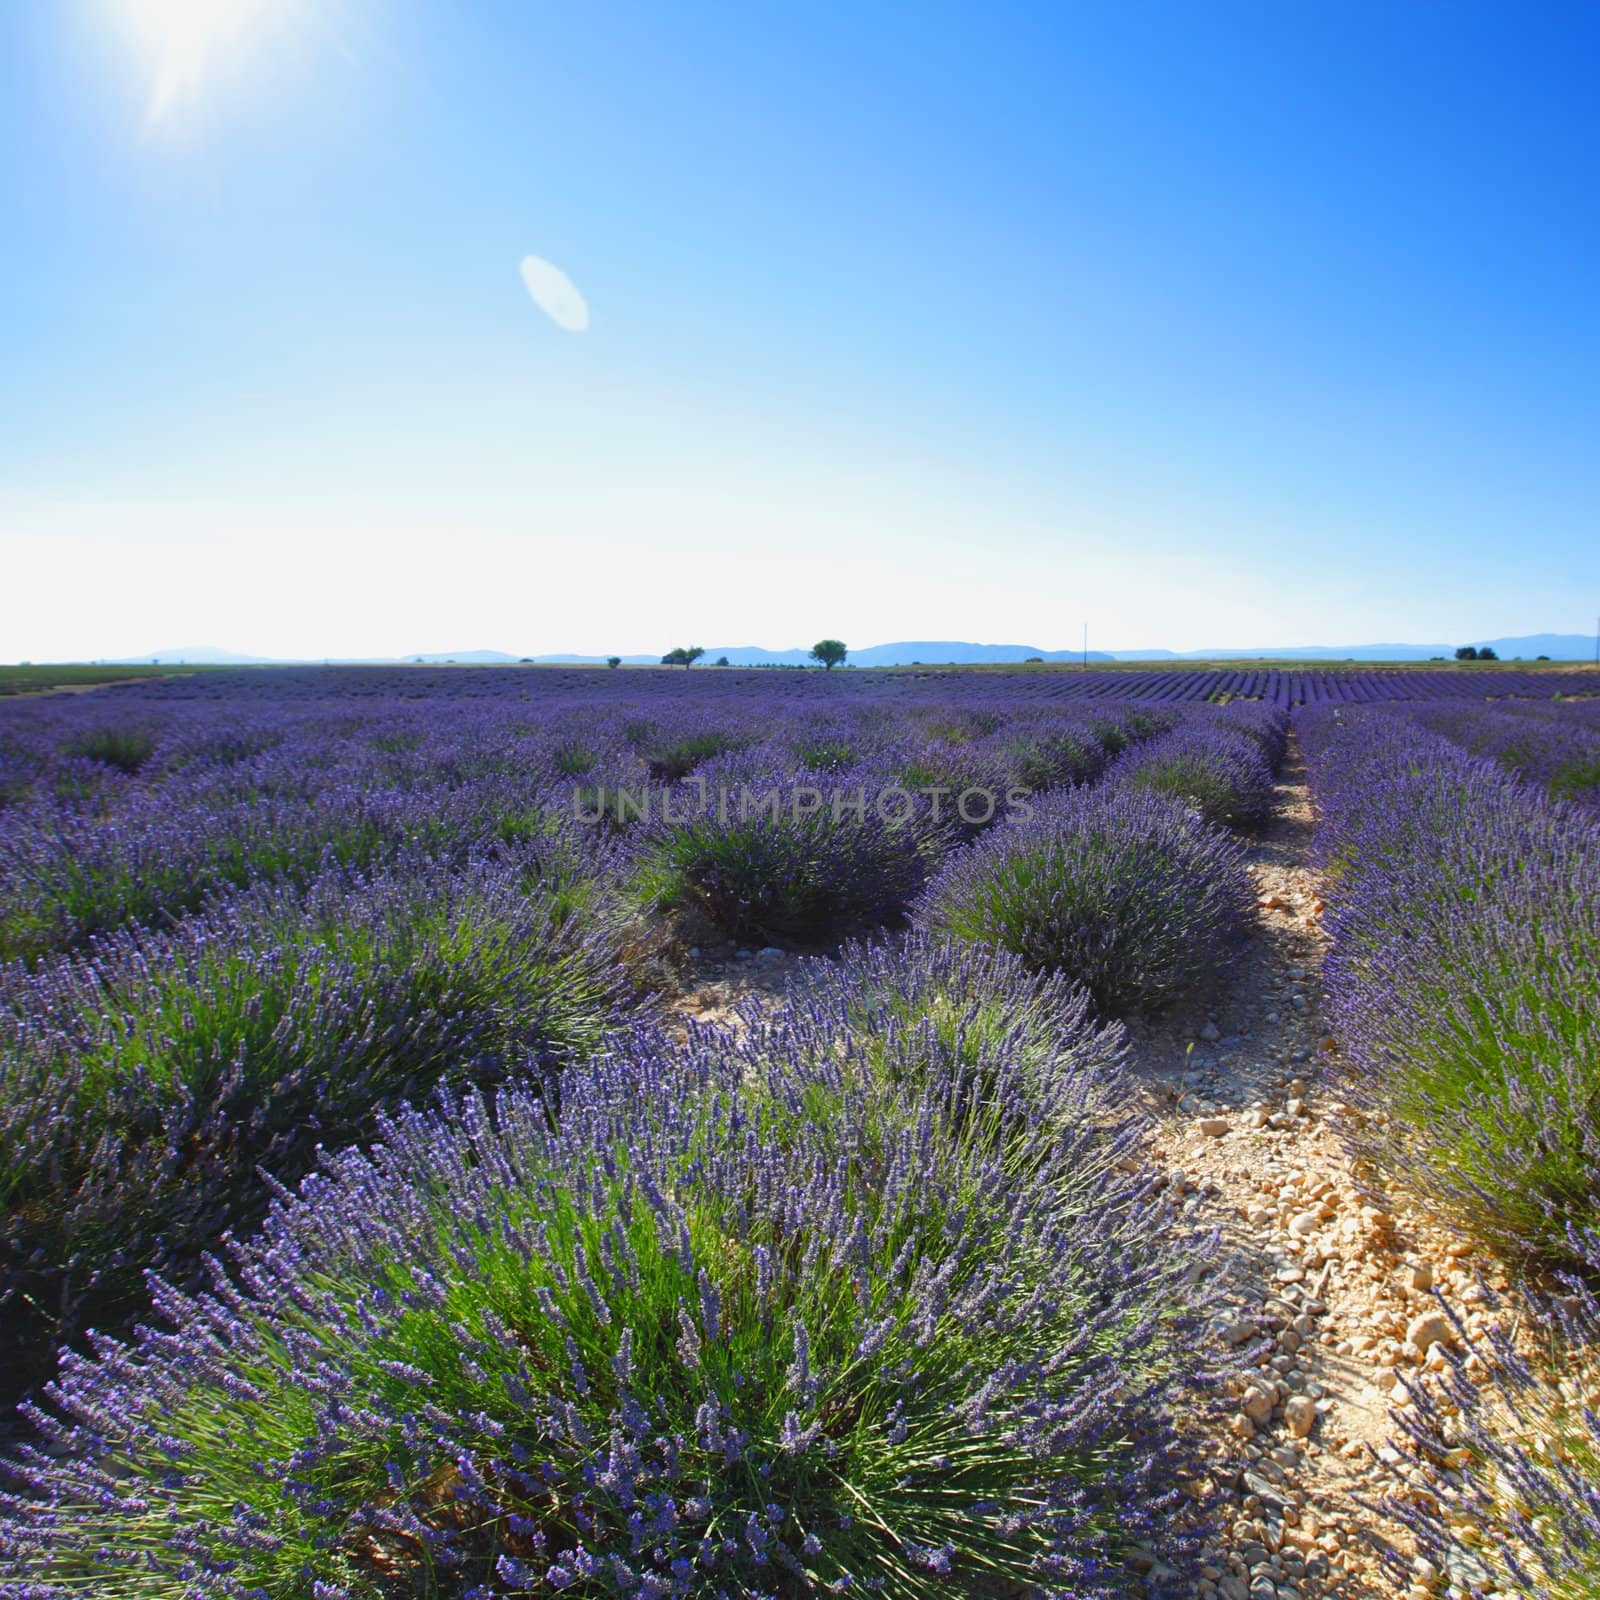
{"x":1132,"y":895}
{"x":1223,"y":774}
{"x":1465,"y":913}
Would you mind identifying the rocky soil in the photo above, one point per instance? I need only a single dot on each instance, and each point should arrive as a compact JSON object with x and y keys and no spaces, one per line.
{"x":1331,"y":1287}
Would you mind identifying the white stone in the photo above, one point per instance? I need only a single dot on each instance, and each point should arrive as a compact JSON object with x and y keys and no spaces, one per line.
{"x":1256,"y":1404}
{"x":1427,"y":1330}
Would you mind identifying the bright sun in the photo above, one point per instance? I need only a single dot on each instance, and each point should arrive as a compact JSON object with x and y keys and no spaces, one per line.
{"x":186,"y":36}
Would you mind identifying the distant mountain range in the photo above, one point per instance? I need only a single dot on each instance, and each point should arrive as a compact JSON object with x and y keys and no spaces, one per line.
{"x":1558,"y":646}
{"x":933,"y":652}
{"x":906,"y":653}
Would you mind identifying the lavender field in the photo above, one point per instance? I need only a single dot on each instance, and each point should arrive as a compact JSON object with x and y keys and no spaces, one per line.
{"x":380,"y":1220}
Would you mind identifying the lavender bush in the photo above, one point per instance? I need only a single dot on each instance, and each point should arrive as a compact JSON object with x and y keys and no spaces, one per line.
{"x":1504,"y":1492}
{"x":1225,"y":775}
{"x":1114,"y":733}
{"x":1139,"y":722}
{"x":69,"y":874}
{"x":157,"y":851}
{"x":144,"y":1084}
{"x":123,"y":747}
{"x":1130,"y":894}
{"x":1013,"y":1050}
{"x":1550,"y":746}
{"x":1048,"y":760}
{"x":692,"y":1341}
{"x":673,"y":747}
{"x":962,"y":787}
{"x":804,"y":861}
{"x":1266,"y":725}
{"x":830,"y":742}
{"x":1465,"y":912}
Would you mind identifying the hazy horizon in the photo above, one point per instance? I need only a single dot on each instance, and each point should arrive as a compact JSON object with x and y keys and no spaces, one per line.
{"x":373,"y":326}
{"x":1540,"y":646}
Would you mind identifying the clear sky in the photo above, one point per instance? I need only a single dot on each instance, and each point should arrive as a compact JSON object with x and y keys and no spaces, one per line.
{"x":1207,"y":323}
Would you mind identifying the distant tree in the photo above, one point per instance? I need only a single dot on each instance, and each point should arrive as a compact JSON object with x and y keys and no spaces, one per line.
{"x":1541,"y":658}
{"x":722,"y":661}
{"x":684,"y":656}
{"x":830,"y":652}
{"x":1034,"y":661}
{"x":1487,"y":654}
{"x":613,"y":661}
{"x":526,"y":661}
{"x":1466,"y":652}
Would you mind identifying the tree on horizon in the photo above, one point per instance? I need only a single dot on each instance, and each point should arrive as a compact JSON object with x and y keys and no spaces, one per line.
{"x":830,"y":652}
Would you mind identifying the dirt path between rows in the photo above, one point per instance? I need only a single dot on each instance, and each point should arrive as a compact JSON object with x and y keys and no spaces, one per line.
{"x":1327,"y":1282}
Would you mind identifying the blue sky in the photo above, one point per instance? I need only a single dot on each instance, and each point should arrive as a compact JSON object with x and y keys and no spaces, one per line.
{"x":1208,"y":324}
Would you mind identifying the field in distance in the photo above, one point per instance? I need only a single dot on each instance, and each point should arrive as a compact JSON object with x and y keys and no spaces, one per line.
{"x":30,"y":679}
{"x":1254,"y":664}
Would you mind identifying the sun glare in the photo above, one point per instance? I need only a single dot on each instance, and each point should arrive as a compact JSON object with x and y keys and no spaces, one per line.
{"x":186,"y":37}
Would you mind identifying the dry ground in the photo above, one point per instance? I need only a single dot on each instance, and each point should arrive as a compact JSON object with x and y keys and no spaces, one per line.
{"x":1328,"y":1279}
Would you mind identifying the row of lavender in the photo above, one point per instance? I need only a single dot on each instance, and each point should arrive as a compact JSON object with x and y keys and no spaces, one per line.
{"x":1315,"y":686}
{"x":1553,"y":745}
{"x":1465,"y":964}
{"x":1463,"y":984}
{"x":876,"y":1293}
